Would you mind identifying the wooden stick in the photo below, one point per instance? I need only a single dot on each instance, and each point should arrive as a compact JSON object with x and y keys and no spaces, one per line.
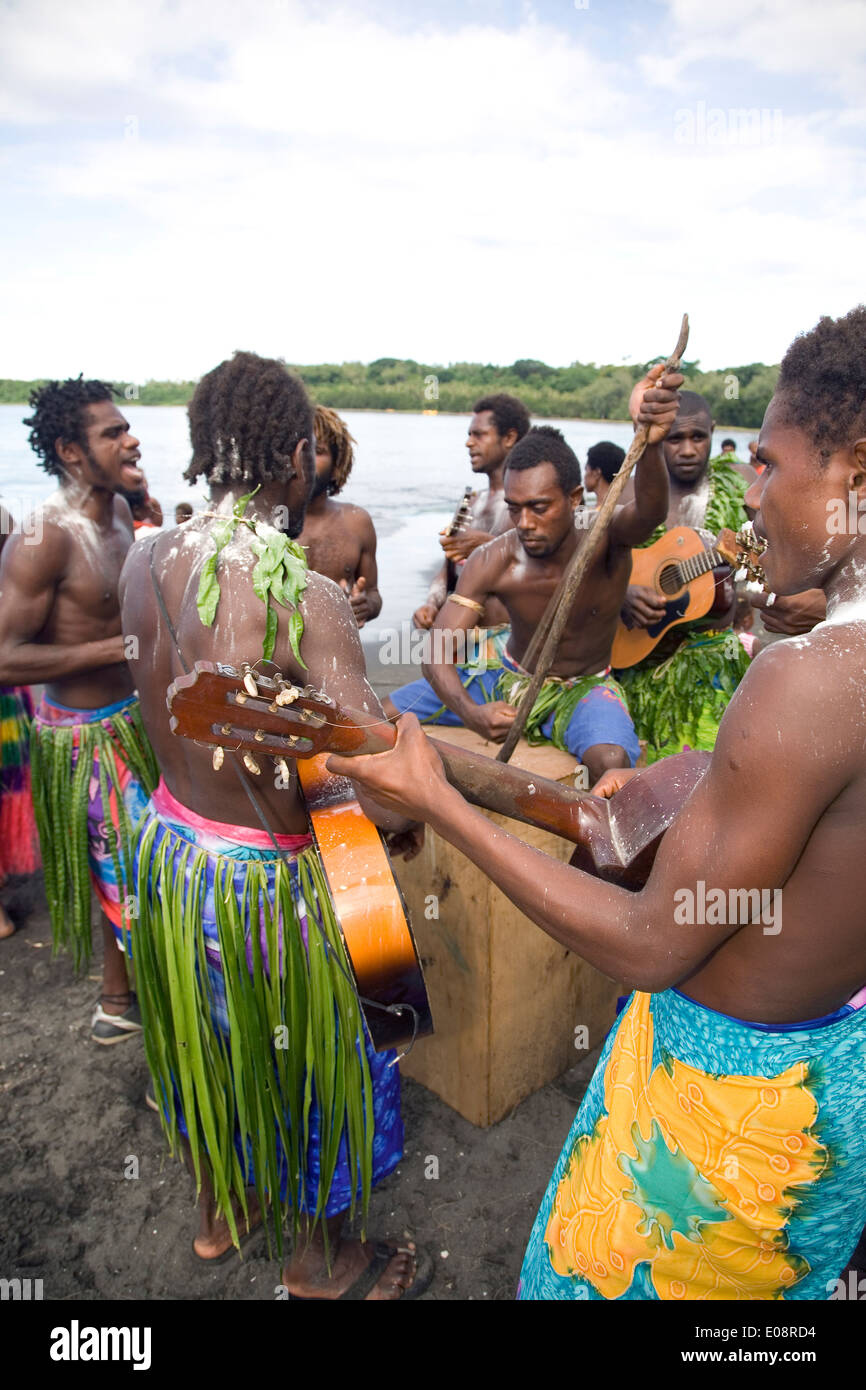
{"x":579,"y":565}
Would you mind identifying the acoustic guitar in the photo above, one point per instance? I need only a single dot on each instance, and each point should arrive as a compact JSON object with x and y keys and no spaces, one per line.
{"x":244,"y":713}
{"x":692,"y":577}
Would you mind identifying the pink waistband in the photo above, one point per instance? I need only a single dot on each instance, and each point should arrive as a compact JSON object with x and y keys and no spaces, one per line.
{"x":168,"y":806}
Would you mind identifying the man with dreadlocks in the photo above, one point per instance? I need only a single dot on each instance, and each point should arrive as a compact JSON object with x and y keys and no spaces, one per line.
{"x":60,"y":624}
{"x":242,"y":1043}
{"x":339,"y":538}
{"x":678,"y":694}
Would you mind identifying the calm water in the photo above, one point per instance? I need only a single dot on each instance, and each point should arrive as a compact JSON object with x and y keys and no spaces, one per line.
{"x":410,"y":471}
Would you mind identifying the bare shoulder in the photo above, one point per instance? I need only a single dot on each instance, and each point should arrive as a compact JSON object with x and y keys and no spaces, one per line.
{"x":359,"y":520}
{"x":123,"y":514}
{"x":42,"y":556}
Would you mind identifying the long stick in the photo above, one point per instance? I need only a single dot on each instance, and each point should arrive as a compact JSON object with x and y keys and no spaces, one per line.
{"x":579,"y":564}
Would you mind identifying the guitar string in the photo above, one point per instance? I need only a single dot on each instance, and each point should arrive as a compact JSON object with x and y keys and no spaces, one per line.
{"x":245,"y":783}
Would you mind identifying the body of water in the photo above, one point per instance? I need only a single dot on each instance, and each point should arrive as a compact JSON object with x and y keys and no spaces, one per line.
{"x":410,"y":472}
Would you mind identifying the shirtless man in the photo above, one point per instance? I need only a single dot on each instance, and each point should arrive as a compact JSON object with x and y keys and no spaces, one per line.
{"x":603,"y":462}
{"x":339,"y":538}
{"x":580,"y":708}
{"x":497,"y":424}
{"x":271,"y":456}
{"x":678,"y":694}
{"x":715,"y":1157}
{"x":60,"y":624}
{"x":18,"y":839}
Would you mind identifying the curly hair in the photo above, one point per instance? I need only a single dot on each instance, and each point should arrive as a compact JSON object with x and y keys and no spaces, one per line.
{"x":332,"y":432}
{"x":822,"y":382}
{"x":606,"y":458}
{"x":246,"y":418}
{"x":545,"y":444}
{"x":59,"y":409}
{"x":508,"y":413}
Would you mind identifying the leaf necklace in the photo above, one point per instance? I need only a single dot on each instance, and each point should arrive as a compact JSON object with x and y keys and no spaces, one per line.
{"x":280,"y":574}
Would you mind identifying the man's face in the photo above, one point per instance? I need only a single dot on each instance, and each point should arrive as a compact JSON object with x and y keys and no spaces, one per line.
{"x":541,"y":512}
{"x":487,"y":447}
{"x":687,"y":448}
{"x":109,"y":455}
{"x":791,"y":496}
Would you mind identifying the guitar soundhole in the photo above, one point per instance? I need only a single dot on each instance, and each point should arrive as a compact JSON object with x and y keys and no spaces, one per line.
{"x":669,"y":580}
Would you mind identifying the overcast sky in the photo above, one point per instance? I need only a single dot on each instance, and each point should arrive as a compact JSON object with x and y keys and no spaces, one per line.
{"x":465,"y":180}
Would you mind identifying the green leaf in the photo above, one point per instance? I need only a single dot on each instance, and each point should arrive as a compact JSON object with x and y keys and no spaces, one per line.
{"x":208,"y":591}
{"x":296,"y":631}
{"x":271,"y":633}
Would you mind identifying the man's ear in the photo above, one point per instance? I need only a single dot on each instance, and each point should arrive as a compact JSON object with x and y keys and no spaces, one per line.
{"x":576,"y":496}
{"x":304,"y":462}
{"x":509,"y":439}
{"x":857,"y":476}
{"x":67,"y":451}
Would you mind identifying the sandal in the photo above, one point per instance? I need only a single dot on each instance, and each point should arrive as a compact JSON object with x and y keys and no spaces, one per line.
{"x":113,"y":1028}
{"x":383,"y":1252}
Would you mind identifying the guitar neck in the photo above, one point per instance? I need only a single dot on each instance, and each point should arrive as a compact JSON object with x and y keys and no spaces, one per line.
{"x":697,"y":565}
{"x":498,"y":787}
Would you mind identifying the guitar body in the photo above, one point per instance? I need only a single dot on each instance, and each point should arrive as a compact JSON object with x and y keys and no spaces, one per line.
{"x":369,"y":908}
{"x":686,"y":600}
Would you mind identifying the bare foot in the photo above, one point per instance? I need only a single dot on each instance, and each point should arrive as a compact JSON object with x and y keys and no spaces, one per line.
{"x":7,"y":926}
{"x":352,"y":1259}
{"x":214,"y":1237}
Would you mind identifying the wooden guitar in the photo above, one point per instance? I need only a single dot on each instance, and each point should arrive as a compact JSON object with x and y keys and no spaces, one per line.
{"x":693,"y":579}
{"x":258,"y":717}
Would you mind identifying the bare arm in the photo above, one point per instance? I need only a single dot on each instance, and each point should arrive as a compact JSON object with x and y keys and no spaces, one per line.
{"x":653,"y":402}
{"x":29,"y":578}
{"x":476,"y":584}
{"x":365,"y":598}
{"x":635,"y":937}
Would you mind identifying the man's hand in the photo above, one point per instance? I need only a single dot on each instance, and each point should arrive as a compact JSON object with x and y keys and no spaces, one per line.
{"x":410,"y":779}
{"x":493,"y":721}
{"x":642,"y":607}
{"x":358,"y":600}
{"x":425,"y":616}
{"x":459,"y":546}
{"x":406,"y":843}
{"x":792,"y":614}
{"x":654,"y":402}
{"x":614,"y":779}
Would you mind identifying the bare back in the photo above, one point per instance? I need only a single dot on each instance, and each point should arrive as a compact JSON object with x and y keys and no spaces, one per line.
{"x":330,"y":647}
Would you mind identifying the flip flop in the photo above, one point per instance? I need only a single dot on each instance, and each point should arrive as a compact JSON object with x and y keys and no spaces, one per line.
{"x":383,"y":1252}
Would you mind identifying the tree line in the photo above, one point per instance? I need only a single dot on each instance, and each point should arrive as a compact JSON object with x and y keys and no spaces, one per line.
{"x":738,"y":396}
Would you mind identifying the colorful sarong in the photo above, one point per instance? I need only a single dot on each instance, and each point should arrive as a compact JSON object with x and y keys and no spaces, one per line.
{"x":93,"y":770}
{"x":252,"y":1026}
{"x":677,"y":701}
{"x":711,"y":1159}
{"x":573,"y":714}
{"x":19,"y":844}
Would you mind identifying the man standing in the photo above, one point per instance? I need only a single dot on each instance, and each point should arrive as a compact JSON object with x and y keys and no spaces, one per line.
{"x":92,"y":766}
{"x":248,"y":1057}
{"x":678,"y":694}
{"x":720,"y":1151}
{"x":603,"y":462}
{"x":339,"y":538}
{"x":496,"y":426}
{"x":580,"y":708}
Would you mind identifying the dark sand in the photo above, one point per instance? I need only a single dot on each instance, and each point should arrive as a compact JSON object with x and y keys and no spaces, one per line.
{"x":74,"y":1114}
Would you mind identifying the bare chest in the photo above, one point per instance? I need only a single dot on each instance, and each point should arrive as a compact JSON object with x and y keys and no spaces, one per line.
{"x":333,"y":549}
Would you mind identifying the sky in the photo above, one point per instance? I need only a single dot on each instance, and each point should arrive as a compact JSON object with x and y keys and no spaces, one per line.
{"x":470,"y":180}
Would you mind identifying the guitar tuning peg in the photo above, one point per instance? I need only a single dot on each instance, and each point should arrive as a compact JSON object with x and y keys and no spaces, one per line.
{"x":240,"y":698}
{"x":218,"y":756}
{"x":251,"y":764}
{"x":283,"y":769}
{"x":250,"y":684}
{"x":259,"y":735}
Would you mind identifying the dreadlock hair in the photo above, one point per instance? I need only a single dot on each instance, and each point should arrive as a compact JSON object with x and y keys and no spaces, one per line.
{"x":59,"y":409}
{"x":246,"y":419}
{"x":822,"y":382}
{"x":333,"y":434}
{"x":545,"y":444}
{"x":607,"y":458}
{"x":508,"y":413}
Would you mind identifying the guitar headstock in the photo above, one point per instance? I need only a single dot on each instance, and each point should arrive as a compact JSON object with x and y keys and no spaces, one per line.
{"x":743,"y":550}
{"x":247,"y":712}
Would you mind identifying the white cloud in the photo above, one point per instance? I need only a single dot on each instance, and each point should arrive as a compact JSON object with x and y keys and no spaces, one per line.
{"x":332,"y":190}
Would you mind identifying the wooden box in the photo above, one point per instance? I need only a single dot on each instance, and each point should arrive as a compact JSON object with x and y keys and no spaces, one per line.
{"x":506,"y":998}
